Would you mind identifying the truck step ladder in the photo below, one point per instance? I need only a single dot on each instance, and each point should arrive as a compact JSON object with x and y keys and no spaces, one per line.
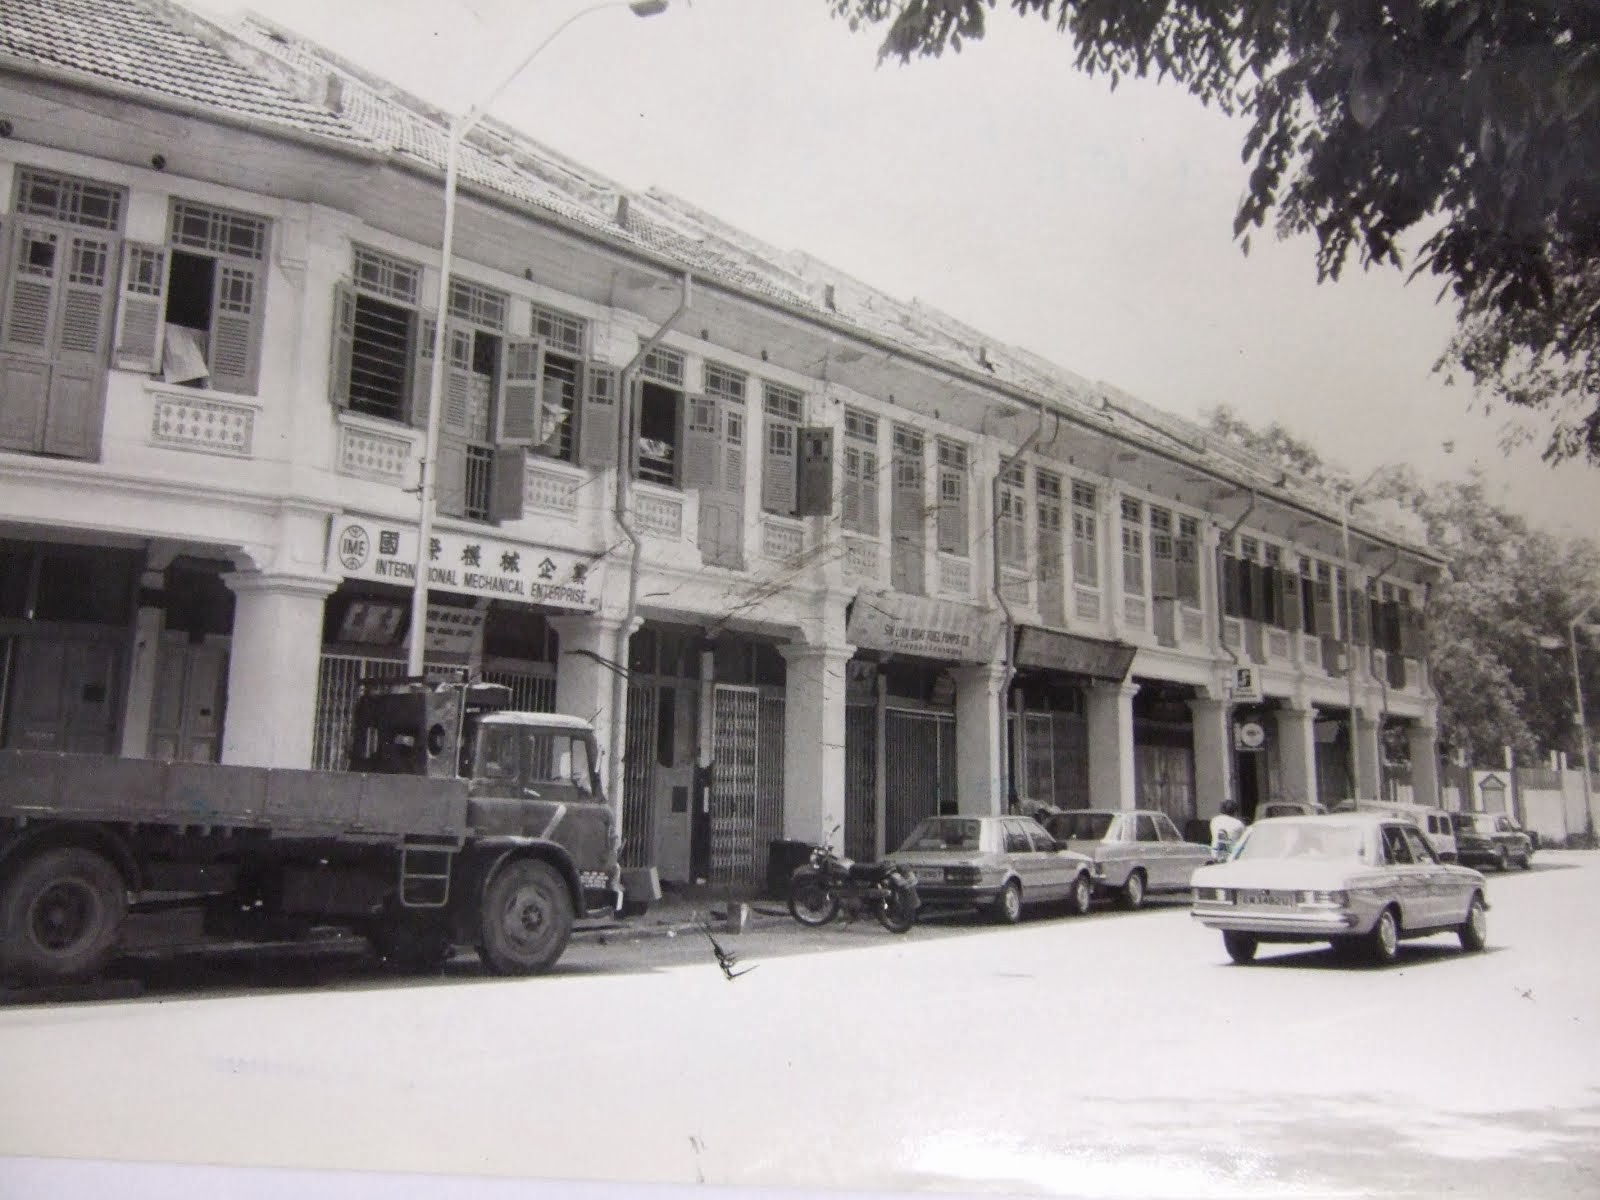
{"x":425,"y":874}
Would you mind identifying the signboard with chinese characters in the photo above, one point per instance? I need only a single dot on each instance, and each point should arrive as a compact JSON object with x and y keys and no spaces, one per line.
{"x":364,"y":548}
{"x":939,"y":629}
{"x":1093,"y":657}
{"x":454,"y":630}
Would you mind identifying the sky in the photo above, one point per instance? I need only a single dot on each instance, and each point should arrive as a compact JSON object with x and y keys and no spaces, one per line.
{"x":999,"y":185}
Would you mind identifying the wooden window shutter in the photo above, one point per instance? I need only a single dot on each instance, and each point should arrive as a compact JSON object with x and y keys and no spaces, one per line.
{"x":342,"y":354}
{"x":952,"y":512}
{"x":237,"y":310}
{"x":598,"y":418}
{"x":867,"y":487}
{"x":1289,"y":592}
{"x":700,"y":443}
{"x":456,"y":415}
{"x":424,"y":328}
{"x":1358,"y":609}
{"x":505,"y":491}
{"x":521,"y":370}
{"x":816,"y":472}
{"x":732,"y":451}
{"x":37,"y":254}
{"x":450,"y":476}
{"x":1163,"y":572}
{"x":142,"y":311}
{"x":779,"y":466}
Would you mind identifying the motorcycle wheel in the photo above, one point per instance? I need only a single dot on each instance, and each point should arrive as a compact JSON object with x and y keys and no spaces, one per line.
{"x":897,"y":910}
{"x":811,"y":901}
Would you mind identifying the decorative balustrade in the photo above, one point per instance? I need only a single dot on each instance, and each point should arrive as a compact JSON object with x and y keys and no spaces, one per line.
{"x":203,"y":424}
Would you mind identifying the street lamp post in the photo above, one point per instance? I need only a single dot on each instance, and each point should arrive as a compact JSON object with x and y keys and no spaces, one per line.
{"x":1583,"y":724}
{"x":1349,"y":629}
{"x":426,"y":474}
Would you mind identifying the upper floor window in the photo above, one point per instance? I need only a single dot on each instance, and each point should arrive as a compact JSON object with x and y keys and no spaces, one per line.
{"x":1186,"y":549}
{"x":859,"y":499}
{"x":1047,"y":511}
{"x":782,"y":411}
{"x":952,"y":497}
{"x":1011,"y":522}
{"x":214,"y":310}
{"x":1132,"y":547}
{"x":383,"y":342}
{"x":1085,"y":534}
{"x":1163,"y":556}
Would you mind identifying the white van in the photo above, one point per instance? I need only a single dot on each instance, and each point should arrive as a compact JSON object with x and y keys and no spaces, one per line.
{"x":1436,"y":823}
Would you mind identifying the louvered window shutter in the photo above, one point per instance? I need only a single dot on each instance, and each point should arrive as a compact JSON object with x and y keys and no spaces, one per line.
{"x":850,"y":492}
{"x":424,"y":328}
{"x":908,"y":498}
{"x":867,"y":485}
{"x":459,"y":383}
{"x":779,"y":466}
{"x":86,"y":299}
{"x":236,"y":316}
{"x":140,"y":317}
{"x":450,"y":476}
{"x":1289,"y":590}
{"x":816,"y":472}
{"x":37,"y":253}
{"x":952,"y":512}
{"x":517,"y":420}
{"x":342,"y":355}
{"x":1163,"y":570}
{"x":505,"y":492}
{"x":700,"y":443}
{"x":598,"y":418}
{"x":733,"y":449}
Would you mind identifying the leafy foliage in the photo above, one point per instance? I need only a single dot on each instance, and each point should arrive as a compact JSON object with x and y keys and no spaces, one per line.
{"x":1468,"y":127}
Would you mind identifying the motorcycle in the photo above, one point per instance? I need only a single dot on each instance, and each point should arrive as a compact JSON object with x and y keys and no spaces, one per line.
{"x":830,"y":884}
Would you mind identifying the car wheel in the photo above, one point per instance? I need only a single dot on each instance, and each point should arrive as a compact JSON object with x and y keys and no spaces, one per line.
{"x":1133,"y":891}
{"x":1383,"y":943}
{"x":61,"y":914}
{"x":1474,"y":931}
{"x":1082,"y":895}
{"x":1008,"y":904}
{"x":1500,"y":859}
{"x":1527,"y":861}
{"x":1241,"y":947}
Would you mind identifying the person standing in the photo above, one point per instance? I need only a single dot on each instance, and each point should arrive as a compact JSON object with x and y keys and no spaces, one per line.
{"x":1226,"y":828}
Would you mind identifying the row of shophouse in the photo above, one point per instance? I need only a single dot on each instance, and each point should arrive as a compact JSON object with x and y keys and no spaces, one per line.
{"x":809,"y":556}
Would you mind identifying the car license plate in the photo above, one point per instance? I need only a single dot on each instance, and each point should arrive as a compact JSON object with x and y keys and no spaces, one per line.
{"x":1270,"y":899}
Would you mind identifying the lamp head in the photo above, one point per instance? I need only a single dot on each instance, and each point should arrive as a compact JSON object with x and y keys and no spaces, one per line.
{"x":647,"y":8}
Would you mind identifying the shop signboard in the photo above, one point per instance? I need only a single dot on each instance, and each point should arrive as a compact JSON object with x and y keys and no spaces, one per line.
{"x":1093,"y":657}
{"x":468,"y":564}
{"x":919,"y":625}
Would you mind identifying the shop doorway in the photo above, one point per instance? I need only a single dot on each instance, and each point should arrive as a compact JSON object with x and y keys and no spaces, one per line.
{"x":191,"y":691}
{"x":920,"y":748}
{"x":64,"y":693}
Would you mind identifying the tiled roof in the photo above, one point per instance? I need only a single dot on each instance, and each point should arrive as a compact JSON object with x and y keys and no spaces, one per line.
{"x":148,"y":46}
{"x":257,"y":70}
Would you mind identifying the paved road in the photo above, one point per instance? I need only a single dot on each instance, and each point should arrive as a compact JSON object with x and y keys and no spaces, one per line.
{"x":1114,"y":1055}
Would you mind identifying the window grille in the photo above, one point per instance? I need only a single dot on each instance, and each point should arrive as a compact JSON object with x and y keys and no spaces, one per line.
{"x":724,"y":382}
{"x":783,"y":402}
{"x":1048,"y":484}
{"x":218,"y":231}
{"x":390,"y":278}
{"x":664,"y":366}
{"x":1084,"y":495}
{"x":559,"y":330}
{"x":1160,"y":520}
{"x":1132,"y":510}
{"x":907,"y":441}
{"x":952,"y":455}
{"x":74,"y":201}
{"x":478,"y":304}
{"x":860,"y":426}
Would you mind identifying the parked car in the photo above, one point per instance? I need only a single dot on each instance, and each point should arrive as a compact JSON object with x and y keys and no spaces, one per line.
{"x":1288,"y":808}
{"x":1437,"y":824}
{"x":999,"y":863}
{"x":1361,"y":881}
{"x":1494,"y":839}
{"x":1135,"y":852}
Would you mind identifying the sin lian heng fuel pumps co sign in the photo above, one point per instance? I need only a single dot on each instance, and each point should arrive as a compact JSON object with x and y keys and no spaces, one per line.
{"x":463,"y":563}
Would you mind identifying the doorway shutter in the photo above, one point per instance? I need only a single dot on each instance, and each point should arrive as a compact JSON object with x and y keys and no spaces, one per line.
{"x":598,"y":418}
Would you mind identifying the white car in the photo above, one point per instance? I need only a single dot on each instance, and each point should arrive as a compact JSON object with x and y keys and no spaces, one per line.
{"x":1362,"y":881}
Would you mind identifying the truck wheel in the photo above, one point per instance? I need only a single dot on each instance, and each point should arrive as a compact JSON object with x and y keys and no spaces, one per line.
{"x":526,"y":918}
{"x":60,"y":916}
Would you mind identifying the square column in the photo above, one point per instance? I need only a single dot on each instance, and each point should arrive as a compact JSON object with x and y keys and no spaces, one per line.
{"x":139,"y":706}
{"x":1212,"y":750}
{"x":1424,"y":744}
{"x":1111,"y":782}
{"x":1370,"y":785}
{"x":1297,"y":752}
{"x":813,"y":742}
{"x":585,"y":683}
{"x":273,"y":664}
{"x":980,"y":767}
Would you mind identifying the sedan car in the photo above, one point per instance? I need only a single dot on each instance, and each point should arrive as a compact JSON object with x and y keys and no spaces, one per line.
{"x":1494,"y":839}
{"x":1360,"y":882}
{"x":1135,"y":852}
{"x":999,"y":863}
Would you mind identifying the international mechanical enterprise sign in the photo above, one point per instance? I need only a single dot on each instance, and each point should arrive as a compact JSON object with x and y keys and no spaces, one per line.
{"x":362,"y":548}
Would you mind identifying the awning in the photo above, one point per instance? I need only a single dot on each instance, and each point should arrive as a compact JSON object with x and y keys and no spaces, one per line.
{"x":941,"y":629}
{"x":1094,"y":657}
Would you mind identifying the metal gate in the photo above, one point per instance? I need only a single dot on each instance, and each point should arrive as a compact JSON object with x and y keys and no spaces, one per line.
{"x":769,"y":780}
{"x":861,"y":781}
{"x":639,"y":787}
{"x":921,"y":748}
{"x":734,"y":790}
{"x":1055,"y":759}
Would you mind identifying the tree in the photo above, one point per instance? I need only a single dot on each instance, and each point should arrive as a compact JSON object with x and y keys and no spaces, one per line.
{"x":1468,"y":129}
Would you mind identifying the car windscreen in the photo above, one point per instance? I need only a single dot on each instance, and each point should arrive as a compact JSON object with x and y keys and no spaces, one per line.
{"x":1291,"y":839}
{"x":1080,"y":826}
{"x":1476,"y":822}
{"x":945,"y":833}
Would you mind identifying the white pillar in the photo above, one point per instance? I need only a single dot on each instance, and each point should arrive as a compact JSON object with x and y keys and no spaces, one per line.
{"x":584,"y":683}
{"x":813,"y":742}
{"x":272,"y":669}
{"x":139,"y":705}
{"x":1297,"y":751}
{"x":1424,"y":743}
{"x":980,"y":774}
{"x":1370,"y":785}
{"x":1211,"y":750}
{"x":1111,"y":783}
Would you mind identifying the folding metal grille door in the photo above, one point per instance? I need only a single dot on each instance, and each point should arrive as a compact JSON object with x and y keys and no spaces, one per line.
{"x":339,"y":679}
{"x":769,"y":780}
{"x":638,"y":789}
{"x":861,"y":782}
{"x":734,"y":787}
{"x":529,"y":692}
{"x":920,"y":749}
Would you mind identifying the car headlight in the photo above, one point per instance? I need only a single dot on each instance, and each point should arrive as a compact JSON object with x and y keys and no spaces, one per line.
{"x":1213,"y":895}
{"x":1322,"y":899}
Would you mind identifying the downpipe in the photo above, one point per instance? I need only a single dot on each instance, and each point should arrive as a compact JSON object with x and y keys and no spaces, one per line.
{"x":1222,"y":641}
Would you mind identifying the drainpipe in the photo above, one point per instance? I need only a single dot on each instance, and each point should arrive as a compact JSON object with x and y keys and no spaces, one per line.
{"x":1383,"y":680}
{"x":1009,"y":672}
{"x":1227,"y":705}
{"x":627,"y":436}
